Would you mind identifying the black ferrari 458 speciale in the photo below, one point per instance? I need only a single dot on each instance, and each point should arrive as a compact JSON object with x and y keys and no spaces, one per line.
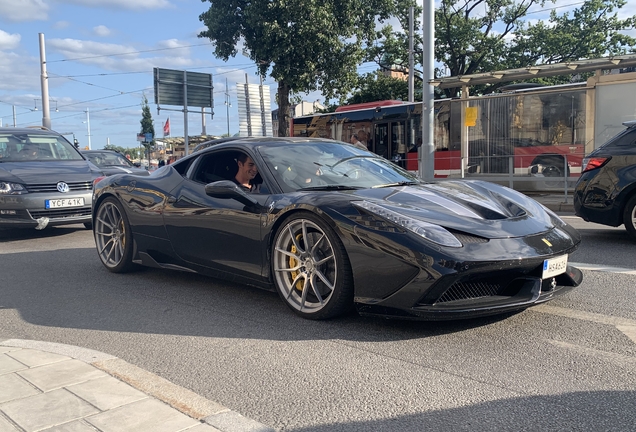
{"x":330,"y":226}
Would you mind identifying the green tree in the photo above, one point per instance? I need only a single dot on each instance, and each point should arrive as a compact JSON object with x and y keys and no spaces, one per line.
{"x":376,"y":86}
{"x":474,"y":36}
{"x":147,"y":124}
{"x":308,"y":45}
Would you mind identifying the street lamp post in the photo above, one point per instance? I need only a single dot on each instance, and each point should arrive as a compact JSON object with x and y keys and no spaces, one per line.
{"x":227,"y":107}
{"x":88,"y":127}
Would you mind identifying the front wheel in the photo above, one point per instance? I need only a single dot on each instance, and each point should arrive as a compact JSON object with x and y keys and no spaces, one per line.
{"x":629,"y":217}
{"x":113,"y":236}
{"x":311,"y":269}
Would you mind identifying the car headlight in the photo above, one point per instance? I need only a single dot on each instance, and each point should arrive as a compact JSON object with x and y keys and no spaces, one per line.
{"x":7,"y":188}
{"x":429,"y":231}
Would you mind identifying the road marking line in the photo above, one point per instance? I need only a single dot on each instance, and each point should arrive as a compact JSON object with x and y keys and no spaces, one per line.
{"x":620,"y":359}
{"x":585,"y":316}
{"x":608,"y":269}
{"x":625,"y":325}
{"x":630,"y":331}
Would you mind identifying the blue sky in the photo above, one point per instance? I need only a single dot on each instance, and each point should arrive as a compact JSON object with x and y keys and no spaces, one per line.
{"x":82,"y":39}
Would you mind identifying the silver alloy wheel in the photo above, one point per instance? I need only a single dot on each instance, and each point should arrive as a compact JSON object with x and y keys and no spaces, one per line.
{"x":305,"y":267}
{"x":633,"y":217}
{"x":110,"y":234}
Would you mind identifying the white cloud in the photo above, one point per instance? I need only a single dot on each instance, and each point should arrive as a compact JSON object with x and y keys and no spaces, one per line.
{"x":18,"y":72}
{"x":121,"y":4}
{"x":9,"y":41}
{"x":101,"y":30}
{"x":24,"y":10}
{"x":111,"y":57}
{"x":59,"y":25}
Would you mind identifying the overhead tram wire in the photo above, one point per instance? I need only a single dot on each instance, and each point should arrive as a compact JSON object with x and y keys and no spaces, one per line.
{"x":126,"y":53}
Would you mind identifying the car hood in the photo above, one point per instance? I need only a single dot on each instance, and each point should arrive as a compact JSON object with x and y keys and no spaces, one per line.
{"x":116,"y":169}
{"x":476,"y":207}
{"x":46,"y":172}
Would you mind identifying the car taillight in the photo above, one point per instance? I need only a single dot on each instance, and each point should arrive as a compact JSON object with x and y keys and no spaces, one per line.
{"x":97,"y":180}
{"x":594,"y":162}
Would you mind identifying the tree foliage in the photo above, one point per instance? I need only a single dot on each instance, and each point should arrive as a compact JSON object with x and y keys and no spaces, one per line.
{"x":147,"y":123}
{"x":306,"y":45}
{"x":376,"y":86}
{"x":474,"y":36}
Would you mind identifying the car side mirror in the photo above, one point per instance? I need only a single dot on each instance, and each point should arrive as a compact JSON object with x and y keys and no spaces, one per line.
{"x":226,"y":189}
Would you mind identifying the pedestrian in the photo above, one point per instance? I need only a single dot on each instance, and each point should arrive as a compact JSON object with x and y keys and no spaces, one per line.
{"x":356,"y":142}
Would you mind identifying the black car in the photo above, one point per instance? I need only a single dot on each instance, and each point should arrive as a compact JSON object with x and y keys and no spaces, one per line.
{"x":332,"y":225}
{"x":44,"y":180}
{"x":606,"y":191}
{"x":210,"y":143}
{"x":111,"y":162}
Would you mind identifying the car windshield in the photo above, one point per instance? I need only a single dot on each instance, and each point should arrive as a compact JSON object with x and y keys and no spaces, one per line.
{"x":108,"y":159}
{"x":330,"y":165}
{"x":25,"y":147}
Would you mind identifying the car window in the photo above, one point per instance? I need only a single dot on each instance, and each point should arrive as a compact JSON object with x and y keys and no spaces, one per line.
{"x":25,"y":146}
{"x":108,"y":159}
{"x":626,"y":138}
{"x":330,"y":165}
{"x":221,"y":165}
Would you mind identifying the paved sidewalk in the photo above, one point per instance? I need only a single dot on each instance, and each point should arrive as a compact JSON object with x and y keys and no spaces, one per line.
{"x":61,"y":388}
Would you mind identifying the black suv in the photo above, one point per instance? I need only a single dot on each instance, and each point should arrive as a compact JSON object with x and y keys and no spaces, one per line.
{"x":606,"y":191}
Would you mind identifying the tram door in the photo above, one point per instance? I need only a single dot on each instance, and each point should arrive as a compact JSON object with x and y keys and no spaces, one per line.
{"x":390,"y":141}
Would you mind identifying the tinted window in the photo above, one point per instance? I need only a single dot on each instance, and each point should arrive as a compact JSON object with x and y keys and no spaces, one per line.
{"x":108,"y":159}
{"x":624,"y":139}
{"x":328,"y":164}
{"x":24,"y":146}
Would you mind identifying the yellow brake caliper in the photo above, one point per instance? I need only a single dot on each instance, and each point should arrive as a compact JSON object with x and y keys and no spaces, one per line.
{"x":293,"y":262}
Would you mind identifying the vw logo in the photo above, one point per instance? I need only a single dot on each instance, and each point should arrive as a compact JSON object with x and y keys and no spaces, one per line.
{"x":62,"y":187}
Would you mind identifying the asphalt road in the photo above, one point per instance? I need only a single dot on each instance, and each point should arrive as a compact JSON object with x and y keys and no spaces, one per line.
{"x":569,"y":365}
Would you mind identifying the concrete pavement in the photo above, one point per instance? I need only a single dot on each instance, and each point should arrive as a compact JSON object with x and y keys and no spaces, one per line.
{"x":61,"y":388}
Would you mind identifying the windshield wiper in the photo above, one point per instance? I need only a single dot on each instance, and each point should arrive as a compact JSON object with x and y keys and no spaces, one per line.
{"x":402,"y":183}
{"x":331,"y":187}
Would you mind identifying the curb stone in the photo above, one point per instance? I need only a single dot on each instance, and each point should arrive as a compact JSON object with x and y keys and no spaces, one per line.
{"x":179,"y":398}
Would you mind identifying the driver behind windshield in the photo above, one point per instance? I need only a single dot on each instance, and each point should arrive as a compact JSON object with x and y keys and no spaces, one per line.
{"x":246,"y":172}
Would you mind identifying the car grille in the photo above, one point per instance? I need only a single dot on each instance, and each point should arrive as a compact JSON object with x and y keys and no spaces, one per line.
{"x":52,"y":187}
{"x":505,"y":284}
{"x":61,"y":213}
{"x":469,"y":290}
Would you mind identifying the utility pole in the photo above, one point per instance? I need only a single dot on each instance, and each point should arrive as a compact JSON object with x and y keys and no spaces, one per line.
{"x":427,"y":150}
{"x":44,"y":79}
{"x":88,"y":126}
{"x":227,"y":106}
{"x":203,"y":130}
{"x":411,"y":60}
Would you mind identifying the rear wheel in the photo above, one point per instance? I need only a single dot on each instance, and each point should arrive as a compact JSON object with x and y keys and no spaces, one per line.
{"x":311,"y":269}
{"x":113,"y":236}
{"x":629,"y":216}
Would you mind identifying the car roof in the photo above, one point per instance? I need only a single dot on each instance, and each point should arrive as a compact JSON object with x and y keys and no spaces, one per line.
{"x":629,"y":124}
{"x":207,"y":144}
{"x":35,"y":130}
{"x":99,"y":151}
{"x":255,"y":141}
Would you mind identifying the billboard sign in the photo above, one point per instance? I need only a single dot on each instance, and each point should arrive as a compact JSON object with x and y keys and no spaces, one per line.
{"x":182,"y":88}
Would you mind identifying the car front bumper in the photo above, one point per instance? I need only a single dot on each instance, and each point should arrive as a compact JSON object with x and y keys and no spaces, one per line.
{"x":29,"y":210}
{"x":521,"y":293}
